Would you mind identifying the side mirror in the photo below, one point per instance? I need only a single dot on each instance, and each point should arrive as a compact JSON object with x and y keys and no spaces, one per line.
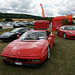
{"x":18,"y":36}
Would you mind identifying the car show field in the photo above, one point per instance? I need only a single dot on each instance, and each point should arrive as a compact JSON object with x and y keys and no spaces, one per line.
{"x":37,"y":37}
{"x":62,"y":61}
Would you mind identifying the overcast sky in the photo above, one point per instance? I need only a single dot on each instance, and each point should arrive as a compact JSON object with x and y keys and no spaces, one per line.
{"x":52,"y":8}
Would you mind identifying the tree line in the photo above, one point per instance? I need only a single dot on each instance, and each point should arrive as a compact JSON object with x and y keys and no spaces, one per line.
{"x":23,"y":16}
{"x":19,"y":16}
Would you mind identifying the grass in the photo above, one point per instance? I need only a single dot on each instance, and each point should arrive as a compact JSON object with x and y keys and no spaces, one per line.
{"x":62,"y":61}
{"x":29,"y":20}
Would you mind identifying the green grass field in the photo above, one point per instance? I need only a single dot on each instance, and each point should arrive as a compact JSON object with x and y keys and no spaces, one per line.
{"x":62,"y":61}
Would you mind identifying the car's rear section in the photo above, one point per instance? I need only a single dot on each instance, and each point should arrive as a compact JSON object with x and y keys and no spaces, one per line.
{"x":41,"y":25}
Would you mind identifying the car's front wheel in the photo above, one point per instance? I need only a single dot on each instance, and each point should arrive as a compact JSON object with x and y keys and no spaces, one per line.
{"x":48,"y":54}
{"x":64,"y":35}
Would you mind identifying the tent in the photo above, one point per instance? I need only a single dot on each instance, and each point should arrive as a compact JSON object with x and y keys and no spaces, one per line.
{"x":58,"y":21}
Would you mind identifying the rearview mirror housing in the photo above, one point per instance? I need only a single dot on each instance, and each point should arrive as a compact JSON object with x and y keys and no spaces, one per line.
{"x":18,"y":36}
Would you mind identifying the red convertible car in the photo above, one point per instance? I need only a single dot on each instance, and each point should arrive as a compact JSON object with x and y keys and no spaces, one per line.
{"x":66,"y":32}
{"x":32,"y":48}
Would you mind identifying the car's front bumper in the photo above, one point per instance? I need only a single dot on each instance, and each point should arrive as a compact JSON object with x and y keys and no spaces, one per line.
{"x":70,"y":36}
{"x":23,"y":64}
{"x":6,"y":39}
{"x":24,"y":60}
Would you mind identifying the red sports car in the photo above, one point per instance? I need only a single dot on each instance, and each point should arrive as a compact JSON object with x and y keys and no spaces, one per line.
{"x":33,"y":47}
{"x":66,"y":32}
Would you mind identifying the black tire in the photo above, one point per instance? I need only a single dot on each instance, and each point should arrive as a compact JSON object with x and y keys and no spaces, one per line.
{"x":5,"y":62}
{"x":48,"y":53}
{"x":54,"y":42}
{"x":0,"y":27}
{"x":57,"y":32}
{"x":64,"y":35}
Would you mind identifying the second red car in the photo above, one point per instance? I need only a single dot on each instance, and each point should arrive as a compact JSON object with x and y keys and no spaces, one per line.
{"x":66,"y":32}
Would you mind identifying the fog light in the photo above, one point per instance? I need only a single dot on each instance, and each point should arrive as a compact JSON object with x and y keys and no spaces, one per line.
{"x":35,"y":60}
{"x":4,"y":57}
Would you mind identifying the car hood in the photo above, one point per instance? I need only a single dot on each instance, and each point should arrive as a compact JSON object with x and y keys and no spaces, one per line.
{"x":72,"y":31}
{"x":6,"y":35}
{"x":24,"y":48}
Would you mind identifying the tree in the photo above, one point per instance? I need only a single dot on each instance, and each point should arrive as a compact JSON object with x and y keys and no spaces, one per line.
{"x":8,"y":19}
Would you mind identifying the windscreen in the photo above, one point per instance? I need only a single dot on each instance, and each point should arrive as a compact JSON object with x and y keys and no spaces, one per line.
{"x":70,"y":28}
{"x":33,"y":35}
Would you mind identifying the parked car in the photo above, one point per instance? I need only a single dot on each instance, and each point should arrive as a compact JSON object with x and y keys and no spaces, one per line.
{"x":9,"y":36}
{"x":30,"y":23}
{"x":24,"y":21}
{"x":66,"y":32}
{"x":32,"y":48}
{"x":20,"y":24}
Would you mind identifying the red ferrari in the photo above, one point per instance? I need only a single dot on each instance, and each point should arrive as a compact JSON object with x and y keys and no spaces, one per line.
{"x":66,"y":32}
{"x":32,"y":48}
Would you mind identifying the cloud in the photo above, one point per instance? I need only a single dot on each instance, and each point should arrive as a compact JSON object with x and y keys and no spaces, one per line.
{"x":52,"y":8}
{"x":20,"y":6}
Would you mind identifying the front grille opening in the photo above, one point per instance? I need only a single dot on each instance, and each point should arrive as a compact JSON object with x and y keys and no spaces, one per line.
{"x":18,"y":59}
{"x":72,"y":36}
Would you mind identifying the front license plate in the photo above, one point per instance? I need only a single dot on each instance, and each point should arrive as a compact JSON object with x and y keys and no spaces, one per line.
{"x":18,"y":63}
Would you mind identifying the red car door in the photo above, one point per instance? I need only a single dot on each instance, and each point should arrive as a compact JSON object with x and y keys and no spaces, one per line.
{"x":50,"y":38}
{"x":61,"y":31}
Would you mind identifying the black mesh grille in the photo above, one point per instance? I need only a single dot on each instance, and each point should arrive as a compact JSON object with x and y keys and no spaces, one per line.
{"x":72,"y":36}
{"x":18,"y":59}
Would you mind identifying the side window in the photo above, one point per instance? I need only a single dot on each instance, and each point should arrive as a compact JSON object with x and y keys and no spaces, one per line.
{"x":66,"y":28}
{"x":23,"y":30}
{"x":61,"y":27}
{"x":19,"y":31}
{"x":47,"y":33}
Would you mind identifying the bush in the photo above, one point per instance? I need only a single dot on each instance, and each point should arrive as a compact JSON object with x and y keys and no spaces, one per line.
{"x":72,"y":22}
{"x":49,"y":19}
{"x":0,"y":17}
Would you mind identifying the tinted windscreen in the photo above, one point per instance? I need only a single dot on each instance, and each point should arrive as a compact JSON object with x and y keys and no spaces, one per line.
{"x":70,"y":28}
{"x":33,"y":35}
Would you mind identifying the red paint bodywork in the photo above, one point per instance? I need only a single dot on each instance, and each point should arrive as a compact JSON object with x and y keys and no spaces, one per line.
{"x":41,"y":25}
{"x":60,"y":21}
{"x":68,"y":36}
{"x":28,"y":49}
{"x":57,"y":22}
